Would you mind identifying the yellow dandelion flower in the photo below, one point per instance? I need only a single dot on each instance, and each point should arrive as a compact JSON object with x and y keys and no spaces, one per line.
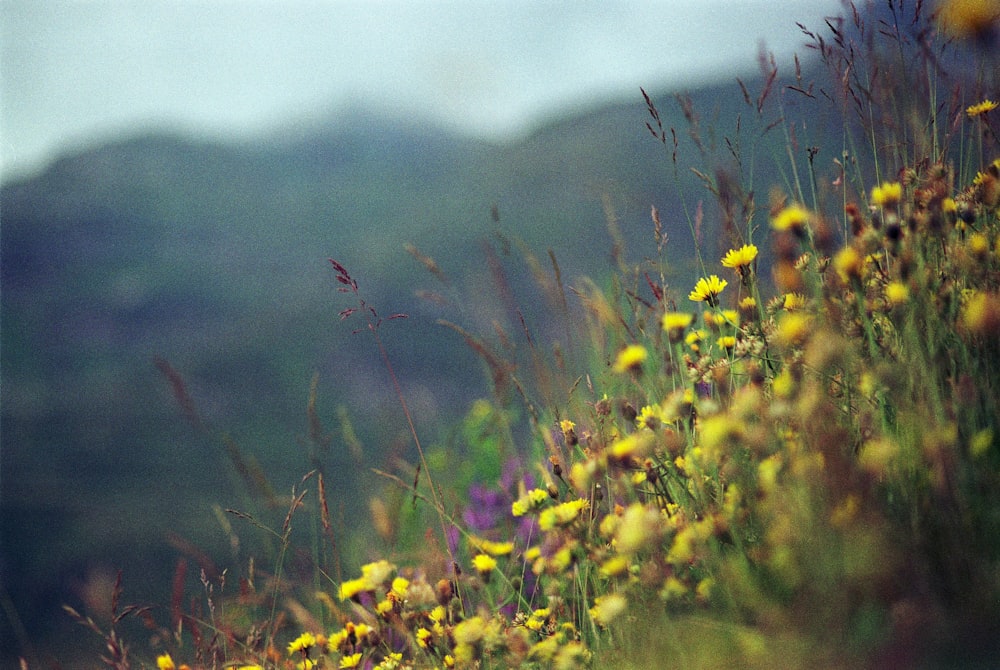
{"x":614,"y":566}
{"x":496,"y":548}
{"x":640,"y":527}
{"x":793,"y":328}
{"x":738,"y":259}
{"x":981,"y":313}
{"x":165,"y":662}
{"x":694,"y":338}
{"x":704,"y":588}
{"x":631,"y":358}
{"x":484,"y":563}
{"x":673,"y":588}
{"x":981,"y":108}
{"x":767,"y":472}
{"x":306,"y":664}
{"x":468,"y":634}
{"x":608,"y":607}
{"x":566,"y":425}
{"x":708,"y":289}
{"x":561,"y":515}
{"x":391,"y":662}
{"x":350,"y":661}
{"x":794,"y":301}
{"x":727,"y":342}
{"x":887,"y":194}
{"x":650,"y":416}
{"x":897,"y":293}
{"x":352,"y":587}
{"x":676,"y":322}
{"x":424,"y":638}
{"x":400,"y":586}
{"x":848,"y":263}
{"x":981,"y":443}
{"x":793,"y":217}
{"x":302,"y":644}
{"x":783,"y":384}
{"x":633,"y":445}
{"x":531,"y":500}
{"x":978,"y":244}
{"x":683,"y":546}
{"x":362,"y":631}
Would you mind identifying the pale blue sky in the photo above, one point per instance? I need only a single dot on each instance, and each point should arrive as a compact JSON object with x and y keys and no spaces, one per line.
{"x":83,"y":71}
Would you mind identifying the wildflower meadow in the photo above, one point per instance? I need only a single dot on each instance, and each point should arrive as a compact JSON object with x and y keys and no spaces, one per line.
{"x":791,"y":459}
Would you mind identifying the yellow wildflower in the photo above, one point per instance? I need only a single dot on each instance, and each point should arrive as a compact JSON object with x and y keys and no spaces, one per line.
{"x":783,"y":384}
{"x":614,"y":566}
{"x":981,"y":442}
{"x":675,"y":322}
{"x":352,"y":587}
{"x":897,"y":293}
{"x":848,"y":264}
{"x":738,"y":259}
{"x":640,"y":527}
{"x":468,"y":635}
{"x":531,"y":500}
{"x":391,"y":662}
{"x":981,"y":313}
{"x":729,"y":317}
{"x":302,"y":644}
{"x":704,"y":588}
{"x":484,"y":563}
{"x":708,"y":289}
{"x":694,"y":338}
{"x":888,"y":194}
{"x":978,"y":245}
{"x":631,"y":358}
{"x":165,"y":662}
{"x":794,"y":301}
{"x":650,"y":416}
{"x":633,"y":445}
{"x":673,"y":588}
{"x":561,"y":515}
{"x":727,"y":342}
{"x":607,"y":607}
{"x":350,"y":661}
{"x":793,"y":217}
{"x":493,"y":548}
{"x":981,"y":108}
{"x":793,"y":328}
{"x":400,"y":585}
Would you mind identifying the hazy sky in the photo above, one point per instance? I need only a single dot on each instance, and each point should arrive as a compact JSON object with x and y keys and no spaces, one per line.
{"x":73,"y":72}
